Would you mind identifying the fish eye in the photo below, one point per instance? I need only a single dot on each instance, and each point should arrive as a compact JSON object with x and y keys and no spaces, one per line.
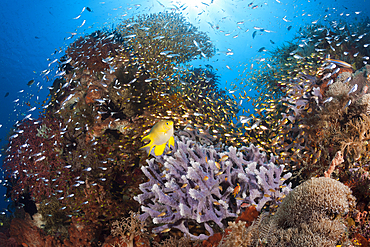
{"x":167,"y":123}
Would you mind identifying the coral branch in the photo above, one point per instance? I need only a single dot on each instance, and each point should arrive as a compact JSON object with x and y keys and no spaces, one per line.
{"x":338,"y":159}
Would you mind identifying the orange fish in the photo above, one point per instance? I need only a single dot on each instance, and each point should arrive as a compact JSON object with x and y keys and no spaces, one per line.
{"x":236,"y":190}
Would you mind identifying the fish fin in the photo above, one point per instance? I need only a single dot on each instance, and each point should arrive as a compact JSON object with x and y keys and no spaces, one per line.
{"x":146,"y":138}
{"x":150,"y":144}
{"x":171,"y":142}
{"x":151,"y":148}
{"x":159,"y":149}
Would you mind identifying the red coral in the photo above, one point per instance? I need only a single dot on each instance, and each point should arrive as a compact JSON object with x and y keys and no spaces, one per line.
{"x":25,"y":232}
{"x":91,"y":50}
{"x":101,"y":126}
{"x":249,"y":215}
{"x":213,"y":240}
{"x":92,"y":94}
{"x":33,"y":159}
{"x":7,"y":242}
{"x":362,"y":241}
{"x":111,"y":241}
{"x":338,"y":159}
{"x":81,"y":233}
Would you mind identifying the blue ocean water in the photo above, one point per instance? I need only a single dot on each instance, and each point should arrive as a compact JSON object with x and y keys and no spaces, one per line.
{"x":35,"y":33}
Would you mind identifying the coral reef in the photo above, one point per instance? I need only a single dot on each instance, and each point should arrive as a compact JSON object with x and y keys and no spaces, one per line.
{"x":160,"y":40}
{"x":35,"y":162}
{"x":78,"y":169}
{"x":318,"y":114}
{"x":5,"y":241}
{"x":198,"y":185}
{"x":80,"y":160}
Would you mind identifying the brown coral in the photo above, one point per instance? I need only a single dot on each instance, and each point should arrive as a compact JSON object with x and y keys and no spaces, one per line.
{"x":131,"y":231}
{"x":307,"y":217}
{"x":324,"y":196}
{"x":81,"y":233}
{"x":93,"y":93}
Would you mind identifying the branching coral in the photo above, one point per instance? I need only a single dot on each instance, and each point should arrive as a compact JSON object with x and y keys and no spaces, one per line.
{"x":130,"y":229}
{"x":198,"y":185}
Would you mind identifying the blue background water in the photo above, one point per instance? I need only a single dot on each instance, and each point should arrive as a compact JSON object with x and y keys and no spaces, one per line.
{"x":34,"y":33}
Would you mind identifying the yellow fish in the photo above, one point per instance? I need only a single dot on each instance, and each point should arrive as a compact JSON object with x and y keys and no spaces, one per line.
{"x":159,"y":135}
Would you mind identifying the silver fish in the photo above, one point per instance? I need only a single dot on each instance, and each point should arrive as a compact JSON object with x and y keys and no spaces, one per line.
{"x":107,"y":60}
{"x":347,"y":80}
{"x":40,"y":159}
{"x":67,"y":61}
{"x":348,"y":103}
{"x":353,"y":89}
{"x":330,"y":66}
{"x":328,"y":100}
{"x":326,"y":76}
{"x":129,"y":36}
{"x":150,"y":79}
{"x":336,"y":71}
{"x":244,"y":119}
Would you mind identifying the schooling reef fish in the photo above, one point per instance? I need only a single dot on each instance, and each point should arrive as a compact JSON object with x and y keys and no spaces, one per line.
{"x":159,"y":136}
{"x":30,"y":82}
{"x":254,"y":34}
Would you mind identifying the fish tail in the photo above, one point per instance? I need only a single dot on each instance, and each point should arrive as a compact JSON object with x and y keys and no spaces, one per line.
{"x":150,"y":145}
{"x":171,"y":142}
{"x":146,"y":138}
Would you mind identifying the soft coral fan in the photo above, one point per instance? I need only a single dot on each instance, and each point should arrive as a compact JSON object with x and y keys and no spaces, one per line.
{"x":198,"y":184}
